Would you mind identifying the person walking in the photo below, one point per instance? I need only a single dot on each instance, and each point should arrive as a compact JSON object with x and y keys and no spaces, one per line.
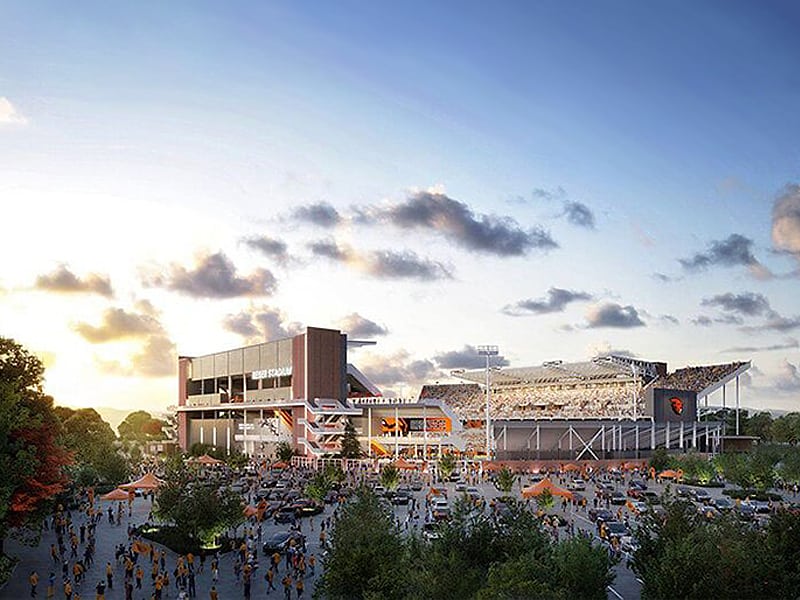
{"x":100,"y":591}
{"x":33,"y":579}
{"x":270,"y":578}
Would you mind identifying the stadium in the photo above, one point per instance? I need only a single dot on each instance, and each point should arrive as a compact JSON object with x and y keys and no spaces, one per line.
{"x":302,"y":390}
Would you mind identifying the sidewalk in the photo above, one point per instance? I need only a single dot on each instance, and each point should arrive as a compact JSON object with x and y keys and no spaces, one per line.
{"x":109,"y":536}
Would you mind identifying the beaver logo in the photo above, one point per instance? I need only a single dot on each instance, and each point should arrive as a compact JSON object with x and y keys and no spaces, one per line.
{"x":677,"y":405}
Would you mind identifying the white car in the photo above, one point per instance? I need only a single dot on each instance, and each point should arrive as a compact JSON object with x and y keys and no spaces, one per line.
{"x":577,"y":484}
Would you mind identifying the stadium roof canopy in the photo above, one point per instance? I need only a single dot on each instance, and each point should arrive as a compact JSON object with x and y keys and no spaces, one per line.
{"x":599,"y":370}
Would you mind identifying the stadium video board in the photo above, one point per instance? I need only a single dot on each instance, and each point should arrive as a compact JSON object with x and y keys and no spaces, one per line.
{"x":674,"y":405}
{"x":415,"y":425}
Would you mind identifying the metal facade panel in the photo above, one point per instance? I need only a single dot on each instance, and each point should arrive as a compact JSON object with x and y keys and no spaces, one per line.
{"x":221,"y":364}
{"x":269,"y":355}
{"x":252,"y":360}
{"x":236,"y":358}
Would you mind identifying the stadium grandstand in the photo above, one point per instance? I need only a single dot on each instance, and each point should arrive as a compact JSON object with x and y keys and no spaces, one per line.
{"x":611,"y":404}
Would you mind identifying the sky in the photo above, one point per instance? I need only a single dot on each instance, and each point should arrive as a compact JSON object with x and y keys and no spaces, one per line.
{"x":560,"y":179}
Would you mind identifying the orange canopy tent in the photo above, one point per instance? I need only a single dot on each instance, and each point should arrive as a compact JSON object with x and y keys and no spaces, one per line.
{"x":492,"y":466}
{"x":116,"y":494}
{"x":146,"y":482}
{"x":280,"y":465}
{"x":570,"y":467}
{"x":402,"y":463}
{"x":205,"y":460}
{"x":250,"y":511}
{"x":671,"y":474}
{"x":545,"y":484}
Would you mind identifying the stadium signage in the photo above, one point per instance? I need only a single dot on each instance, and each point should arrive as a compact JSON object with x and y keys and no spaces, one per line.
{"x":269,"y":373}
{"x":676,"y":404}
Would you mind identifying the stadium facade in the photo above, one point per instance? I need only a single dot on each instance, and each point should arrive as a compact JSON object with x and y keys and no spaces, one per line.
{"x":302,"y":390}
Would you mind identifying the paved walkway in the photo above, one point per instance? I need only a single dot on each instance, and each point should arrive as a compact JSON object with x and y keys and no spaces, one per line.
{"x":109,"y":536}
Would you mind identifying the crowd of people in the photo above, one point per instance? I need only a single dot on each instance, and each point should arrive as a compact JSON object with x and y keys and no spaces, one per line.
{"x":601,"y":400}
{"x":696,"y":379}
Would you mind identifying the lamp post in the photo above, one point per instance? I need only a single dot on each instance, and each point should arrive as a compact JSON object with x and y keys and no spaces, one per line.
{"x":488,"y":352}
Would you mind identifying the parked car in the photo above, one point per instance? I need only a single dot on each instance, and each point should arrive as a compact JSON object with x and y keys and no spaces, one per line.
{"x":745,"y":512}
{"x":577,"y":484}
{"x":600,"y":514}
{"x":701,"y":495}
{"x":285,"y":514}
{"x":723,"y":504}
{"x":651,"y":496}
{"x":637,"y":506}
{"x":613,"y":529}
{"x":401,"y":497}
{"x":280,"y":542}
{"x":618,"y":498}
{"x":305,"y":507}
{"x":417,"y":485}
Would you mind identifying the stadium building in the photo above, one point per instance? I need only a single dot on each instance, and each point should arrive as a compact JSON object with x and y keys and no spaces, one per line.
{"x":302,"y":390}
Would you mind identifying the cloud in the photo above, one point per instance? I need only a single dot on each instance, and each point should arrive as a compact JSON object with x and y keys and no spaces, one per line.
{"x":704,"y":321}
{"x":320,"y":213}
{"x":9,"y":115}
{"x":735,"y":250}
{"x":543,"y":194}
{"x":604,"y":348}
{"x":467,"y":358}
{"x":215,"y":276}
{"x":260,"y":324}
{"x":357,"y":326}
{"x":665,"y":278}
{"x":579,"y":214}
{"x":489,"y":234}
{"x":777,"y":322}
{"x":670,"y":319}
{"x":397,"y":368}
{"x":788,"y":344}
{"x":118,"y":324}
{"x":64,"y":281}
{"x":611,"y":314}
{"x":746,"y":303}
{"x":157,"y":358}
{"x":383,"y":264}
{"x":556,"y":301}
{"x":788,"y":380}
{"x":786,"y":220}
{"x":270,"y":247}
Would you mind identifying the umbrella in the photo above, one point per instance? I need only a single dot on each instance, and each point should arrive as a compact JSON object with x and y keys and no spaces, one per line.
{"x":206,"y":460}
{"x":545,"y":484}
{"x":146,"y":482}
{"x":401,"y":463}
{"x":116,"y":494}
{"x":671,"y":474}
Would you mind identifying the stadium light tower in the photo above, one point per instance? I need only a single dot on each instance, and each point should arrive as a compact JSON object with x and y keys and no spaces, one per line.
{"x":488,"y":352}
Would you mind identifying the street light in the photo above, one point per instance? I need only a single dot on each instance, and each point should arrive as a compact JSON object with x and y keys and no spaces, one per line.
{"x":488,"y":352}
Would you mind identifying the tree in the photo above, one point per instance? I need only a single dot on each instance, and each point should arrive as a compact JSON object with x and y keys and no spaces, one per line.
{"x":200,"y":512}
{"x":140,"y":426}
{"x":367,"y":557}
{"x":92,"y":442}
{"x":446,"y":466}
{"x":284,"y":451}
{"x":683,"y":555}
{"x":350,"y":446}
{"x":545,"y":500}
{"x":660,"y":459}
{"x":505,"y":480}
{"x":390,"y":477}
{"x":32,"y":459}
{"x":582,"y":569}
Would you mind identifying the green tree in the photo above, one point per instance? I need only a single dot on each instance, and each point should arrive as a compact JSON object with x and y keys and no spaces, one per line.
{"x":93,"y":444}
{"x":582,"y":569}
{"x":199,"y":511}
{"x":505,"y":480}
{"x":140,"y":426}
{"x":367,"y":557}
{"x":350,"y":446}
{"x":786,"y":429}
{"x":446,"y":466}
{"x":32,"y":459}
{"x":390,"y":477}
{"x":545,"y":500}
{"x":661,"y":459}
{"x":683,"y":555}
{"x":284,"y":451}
